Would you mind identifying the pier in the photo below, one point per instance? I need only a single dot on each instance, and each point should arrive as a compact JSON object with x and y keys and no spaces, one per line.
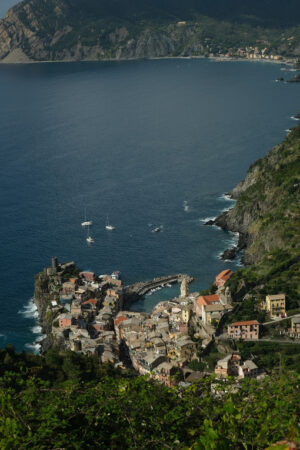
{"x":141,"y":288}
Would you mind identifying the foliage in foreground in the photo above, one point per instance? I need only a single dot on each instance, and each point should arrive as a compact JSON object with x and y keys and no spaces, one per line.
{"x":42,"y":408}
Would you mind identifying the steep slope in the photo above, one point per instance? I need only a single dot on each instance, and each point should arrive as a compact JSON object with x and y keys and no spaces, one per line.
{"x":267,"y":214}
{"x":43,"y":30}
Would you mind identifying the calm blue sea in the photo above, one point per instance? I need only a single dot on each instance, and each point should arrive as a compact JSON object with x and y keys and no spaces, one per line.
{"x":146,"y":143}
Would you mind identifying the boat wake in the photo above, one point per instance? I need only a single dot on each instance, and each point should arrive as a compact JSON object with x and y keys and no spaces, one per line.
{"x":186,"y":207}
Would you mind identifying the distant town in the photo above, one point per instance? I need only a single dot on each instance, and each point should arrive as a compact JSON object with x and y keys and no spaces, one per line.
{"x":86,"y":313}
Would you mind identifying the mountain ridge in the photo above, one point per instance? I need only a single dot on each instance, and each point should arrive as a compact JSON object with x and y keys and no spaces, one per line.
{"x":72,"y":30}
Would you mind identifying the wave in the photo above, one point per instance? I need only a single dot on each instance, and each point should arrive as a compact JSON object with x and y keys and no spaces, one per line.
{"x":207,"y":219}
{"x":34,"y":347}
{"x":41,"y":338}
{"x":226,"y":197}
{"x":30,"y":310}
{"x":2,"y":335}
{"x":37,"y":329}
{"x":294,"y":118}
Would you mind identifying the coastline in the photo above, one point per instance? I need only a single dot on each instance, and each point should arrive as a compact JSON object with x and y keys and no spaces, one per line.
{"x":283,"y":61}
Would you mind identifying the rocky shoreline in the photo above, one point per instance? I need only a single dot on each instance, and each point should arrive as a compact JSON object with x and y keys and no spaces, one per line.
{"x":246,"y":215}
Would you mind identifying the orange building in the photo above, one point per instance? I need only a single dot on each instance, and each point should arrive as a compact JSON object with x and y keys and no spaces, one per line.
{"x":223,"y":277}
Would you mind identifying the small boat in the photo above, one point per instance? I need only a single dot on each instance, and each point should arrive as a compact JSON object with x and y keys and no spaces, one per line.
{"x":156,"y":229}
{"x":108,"y":226}
{"x":89,"y":239}
{"x":86,"y":223}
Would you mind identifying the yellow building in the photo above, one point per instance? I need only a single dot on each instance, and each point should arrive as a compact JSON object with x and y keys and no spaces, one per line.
{"x":275,"y":305}
{"x":185,"y":314}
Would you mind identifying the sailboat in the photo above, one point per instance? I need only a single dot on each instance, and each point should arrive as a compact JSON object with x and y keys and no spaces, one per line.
{"x":108,"y":226}
{"x":89,"y":239}
{"x":86,"y":223}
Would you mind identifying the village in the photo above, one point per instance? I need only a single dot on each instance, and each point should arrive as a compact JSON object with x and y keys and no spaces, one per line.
{"x":89,"y":316}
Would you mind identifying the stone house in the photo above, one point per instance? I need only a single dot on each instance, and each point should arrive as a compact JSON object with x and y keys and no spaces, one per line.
{"x":213,"y":312}
{"x":204,"y":300}
{"x":163,"y":372}
{"x":151,"y":360}
{"x":244,"y":330}
{"x":75,"y":309}
{"x":248,"y":370}
{"x":228,"y":366}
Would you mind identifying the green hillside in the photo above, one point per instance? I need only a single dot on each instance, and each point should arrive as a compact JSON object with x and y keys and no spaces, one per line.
{"x":70,"y":402}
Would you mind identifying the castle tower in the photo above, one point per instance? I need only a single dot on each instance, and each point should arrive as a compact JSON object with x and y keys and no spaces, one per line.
{"x":54,"y":264}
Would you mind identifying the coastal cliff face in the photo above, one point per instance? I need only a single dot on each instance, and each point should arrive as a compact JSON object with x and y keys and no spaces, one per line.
{"x":267,"y":214}
{"x":267,"y":211}
{"x":68,"y":30}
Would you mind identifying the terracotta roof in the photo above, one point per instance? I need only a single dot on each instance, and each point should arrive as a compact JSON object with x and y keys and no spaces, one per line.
{"x":246,"y":322}
{"x":207,"y":299}
{"x":224,"y":275}
{"x":91,"y":301}
{"x":120,"y":319}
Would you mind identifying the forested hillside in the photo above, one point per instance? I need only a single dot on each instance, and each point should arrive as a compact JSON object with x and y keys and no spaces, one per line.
{"x":70,"y":30}
{"x":68,"y":401}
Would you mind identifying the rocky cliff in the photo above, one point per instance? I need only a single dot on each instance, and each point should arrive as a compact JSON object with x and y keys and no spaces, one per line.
{"x":267,"y":211}
{"x":70,"y":30}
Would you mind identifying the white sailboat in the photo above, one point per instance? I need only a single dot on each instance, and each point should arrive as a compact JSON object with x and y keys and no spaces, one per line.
{"x":86,"y":223}
{"x":89,"y":238}
{"x":108,"y":226}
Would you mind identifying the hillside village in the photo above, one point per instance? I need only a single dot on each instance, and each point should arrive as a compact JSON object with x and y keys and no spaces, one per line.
{"x":88,"y":315}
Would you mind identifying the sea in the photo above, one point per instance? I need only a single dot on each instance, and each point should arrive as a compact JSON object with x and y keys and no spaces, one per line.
{"x":145,"y":143}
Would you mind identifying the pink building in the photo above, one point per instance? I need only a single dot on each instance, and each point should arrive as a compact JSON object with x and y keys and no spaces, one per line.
{"x":244,"y":330}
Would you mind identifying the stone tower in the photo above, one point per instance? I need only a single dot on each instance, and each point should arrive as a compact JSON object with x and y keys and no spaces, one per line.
{"x":54,"y":264}
{"x":184,"y":288}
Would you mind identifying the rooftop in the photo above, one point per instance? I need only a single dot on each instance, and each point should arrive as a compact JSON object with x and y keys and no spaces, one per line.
{"x":246,"y":322}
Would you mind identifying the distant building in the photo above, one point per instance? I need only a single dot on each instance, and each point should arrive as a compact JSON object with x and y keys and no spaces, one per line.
{"x":88,"y":276}
{"x":275,"y":305}
{"x":294,"y":331}
{"x":65,"y":320}
{"x":248,"y":370}
{"x":244,"y":330}
{"x":228,"y":366}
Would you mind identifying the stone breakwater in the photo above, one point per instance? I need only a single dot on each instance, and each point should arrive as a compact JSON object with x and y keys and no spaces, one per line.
{"x":141,"y":288}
